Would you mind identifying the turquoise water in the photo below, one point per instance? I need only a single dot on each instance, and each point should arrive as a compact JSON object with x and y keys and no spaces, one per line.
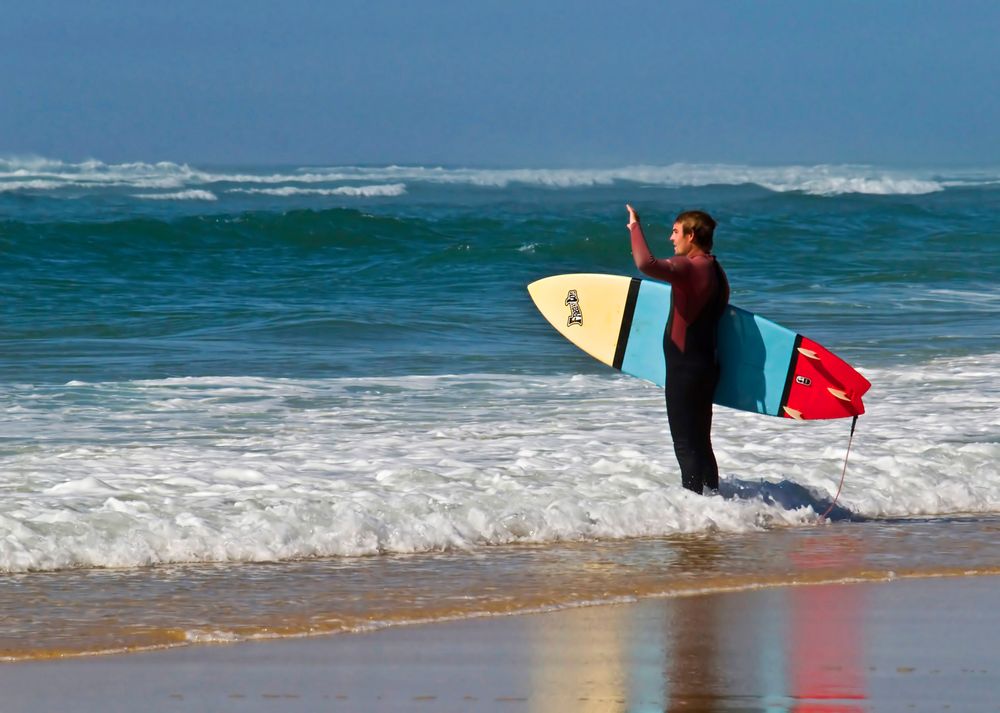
{"x":257,"y":364}
{"x":101,"y":284}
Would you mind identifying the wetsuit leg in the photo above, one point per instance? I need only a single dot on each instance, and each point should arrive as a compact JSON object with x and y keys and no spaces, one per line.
{"x":689,"y":395}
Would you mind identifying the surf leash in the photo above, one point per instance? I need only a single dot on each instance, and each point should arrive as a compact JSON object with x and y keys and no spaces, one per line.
{"x":847,"y":455}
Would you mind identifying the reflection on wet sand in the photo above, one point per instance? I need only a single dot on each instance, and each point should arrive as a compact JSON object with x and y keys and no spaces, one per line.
{"x":580,"y":667}
{"x":710,"y":652}
{"x":929,"y":644}
{"x":693,"y":676}
{"x":826,"y":635}
{"x":825,"y":657}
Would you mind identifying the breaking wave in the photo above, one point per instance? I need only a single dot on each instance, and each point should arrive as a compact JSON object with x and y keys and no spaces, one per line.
{"x":46,"y":175}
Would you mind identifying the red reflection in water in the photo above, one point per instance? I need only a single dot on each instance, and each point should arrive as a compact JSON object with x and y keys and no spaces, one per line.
{"x":826,"y":638}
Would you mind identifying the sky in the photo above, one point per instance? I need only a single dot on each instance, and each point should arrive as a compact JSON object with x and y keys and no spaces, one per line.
{"x":533,"y":83}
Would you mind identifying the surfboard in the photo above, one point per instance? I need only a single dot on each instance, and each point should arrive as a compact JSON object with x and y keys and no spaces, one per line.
{"x":765,"y":368}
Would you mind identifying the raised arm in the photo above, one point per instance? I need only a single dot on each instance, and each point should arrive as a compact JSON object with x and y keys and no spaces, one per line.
{"x":669,"y":270}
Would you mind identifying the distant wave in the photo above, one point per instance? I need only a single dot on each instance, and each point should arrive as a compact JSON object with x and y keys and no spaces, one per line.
{"x":41,"y":174}
{"x":817,"y":180}
{"x":192,"y":195}
{"x":390,"y":189}
{"x":36,"y":184}
{"x":98,"y":174}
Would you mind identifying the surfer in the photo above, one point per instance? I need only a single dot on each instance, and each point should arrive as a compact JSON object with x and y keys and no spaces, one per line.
{"x":699,"y":295}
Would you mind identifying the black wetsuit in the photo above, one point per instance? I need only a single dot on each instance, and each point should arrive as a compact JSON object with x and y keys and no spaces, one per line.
{"x":699,"y":295}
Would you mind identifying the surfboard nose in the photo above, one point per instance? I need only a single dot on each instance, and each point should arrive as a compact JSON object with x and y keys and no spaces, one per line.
{"x":584,"y":308}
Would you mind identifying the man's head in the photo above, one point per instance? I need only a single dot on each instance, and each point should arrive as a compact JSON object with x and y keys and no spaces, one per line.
{"x":693,"y":228}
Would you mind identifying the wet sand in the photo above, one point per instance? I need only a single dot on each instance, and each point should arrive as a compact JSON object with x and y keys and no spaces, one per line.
{"x":921,"y":644}
{"x":55,"y":614}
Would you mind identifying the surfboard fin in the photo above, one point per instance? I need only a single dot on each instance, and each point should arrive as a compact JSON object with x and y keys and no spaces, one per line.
{"x":792,"y":413}
{"x":808,"y":354}
{"x":839,"y":393}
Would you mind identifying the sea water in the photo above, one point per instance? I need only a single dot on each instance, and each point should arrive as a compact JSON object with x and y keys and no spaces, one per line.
{"x":208,"y":371}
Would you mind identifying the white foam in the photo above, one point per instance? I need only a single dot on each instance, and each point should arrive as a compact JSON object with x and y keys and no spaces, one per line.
{"x":98,"y":174}
{"x":817,"y":180}
{"x":33,"y":173}
{"x":190,"y":195}
{"x":35,"y":184}
{"x":249,"y":469}
{"x":390,"y":189}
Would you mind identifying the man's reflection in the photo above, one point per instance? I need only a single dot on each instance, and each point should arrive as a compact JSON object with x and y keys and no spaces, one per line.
{"x":694,"y":679}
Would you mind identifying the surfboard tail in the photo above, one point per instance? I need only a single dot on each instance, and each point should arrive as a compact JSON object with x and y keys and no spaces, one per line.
{"x":821,"y":385}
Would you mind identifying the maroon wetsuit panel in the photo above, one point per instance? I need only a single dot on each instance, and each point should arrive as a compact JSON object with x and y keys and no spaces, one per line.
{"x":699,"y":294}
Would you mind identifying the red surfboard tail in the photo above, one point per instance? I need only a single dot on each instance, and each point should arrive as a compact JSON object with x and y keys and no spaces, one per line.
{"x":822,"y":385}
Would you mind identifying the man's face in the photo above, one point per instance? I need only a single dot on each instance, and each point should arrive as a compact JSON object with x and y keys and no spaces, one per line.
{"x":683,"y":242}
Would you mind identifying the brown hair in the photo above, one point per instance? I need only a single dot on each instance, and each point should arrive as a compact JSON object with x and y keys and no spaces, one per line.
{"x":701,"y":225}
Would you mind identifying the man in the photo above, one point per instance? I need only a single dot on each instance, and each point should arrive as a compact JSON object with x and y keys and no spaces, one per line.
{"x":699,"y":295}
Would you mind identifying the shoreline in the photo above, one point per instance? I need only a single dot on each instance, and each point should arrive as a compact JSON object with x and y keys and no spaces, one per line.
{"x":910,"y":641}
{"x":86,"y":613}
{"x":209,"y":640}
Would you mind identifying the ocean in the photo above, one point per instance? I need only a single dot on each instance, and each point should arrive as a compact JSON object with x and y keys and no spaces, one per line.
{"x":268,"y":401}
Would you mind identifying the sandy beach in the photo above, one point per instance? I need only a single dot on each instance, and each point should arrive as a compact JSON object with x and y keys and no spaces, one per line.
{"x":912,"y":644}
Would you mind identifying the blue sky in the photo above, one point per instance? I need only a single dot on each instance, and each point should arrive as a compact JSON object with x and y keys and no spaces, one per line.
{"x":484,"y":83}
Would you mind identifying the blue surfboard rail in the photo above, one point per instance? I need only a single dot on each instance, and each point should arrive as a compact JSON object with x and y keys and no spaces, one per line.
{"x":755,"y":354}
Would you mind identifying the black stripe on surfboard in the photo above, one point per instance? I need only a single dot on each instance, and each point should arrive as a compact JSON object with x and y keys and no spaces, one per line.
{"x":792,"y":363}
{"x":627,"y":315}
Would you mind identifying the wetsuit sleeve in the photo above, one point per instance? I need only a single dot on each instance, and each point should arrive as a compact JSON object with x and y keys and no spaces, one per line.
{"x":670,"y":270}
